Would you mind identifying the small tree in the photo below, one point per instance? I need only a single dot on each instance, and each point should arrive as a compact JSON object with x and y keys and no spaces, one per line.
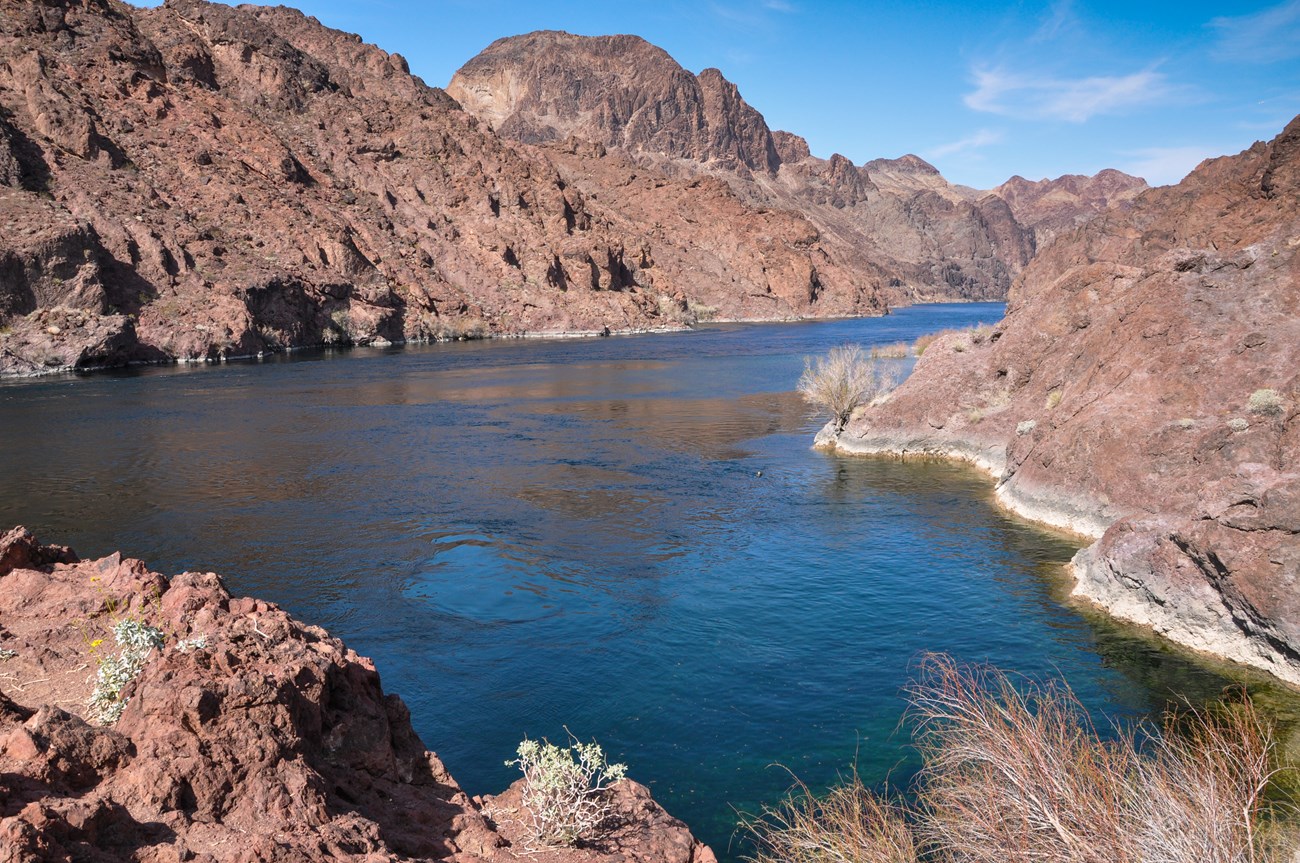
{"x":842,"y":380}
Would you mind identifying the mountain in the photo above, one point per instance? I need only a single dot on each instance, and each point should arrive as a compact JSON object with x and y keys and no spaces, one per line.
{"x":1052,"y":207}
{"x":1144,"y":390}
{"x":933,"y":239}
{"x":198,"y":181}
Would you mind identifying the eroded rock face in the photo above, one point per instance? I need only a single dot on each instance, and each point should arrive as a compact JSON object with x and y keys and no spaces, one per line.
{"x":930,"y":239}
{"x":248,"y":736}
{"x":206,"y":181}
{"x":1052,"y":207}
{"x":1144,"y":389}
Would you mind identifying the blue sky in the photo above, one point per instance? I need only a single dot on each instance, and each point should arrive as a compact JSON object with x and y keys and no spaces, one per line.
{"x":1032,"y":88}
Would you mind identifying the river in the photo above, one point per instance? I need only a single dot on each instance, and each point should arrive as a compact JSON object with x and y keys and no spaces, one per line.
{"x":628,"y":537}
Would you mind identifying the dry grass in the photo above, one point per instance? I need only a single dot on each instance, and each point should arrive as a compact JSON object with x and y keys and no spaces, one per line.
{"x":849,"y":824}
{"x":895,"y":351}
{"x":842,"y":380}
{"x":1016,"y":773}
{"x":976,"y":335}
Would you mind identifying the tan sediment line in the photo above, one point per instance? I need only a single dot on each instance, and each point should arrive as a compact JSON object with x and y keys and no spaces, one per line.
{"x":1074,"y":513}
{"x":1191,"y":614}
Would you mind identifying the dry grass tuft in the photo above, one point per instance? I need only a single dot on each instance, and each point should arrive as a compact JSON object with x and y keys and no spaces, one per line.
{"x":894,"y":351}
{"x":1016,"y":773}
{"x":849,"y":824}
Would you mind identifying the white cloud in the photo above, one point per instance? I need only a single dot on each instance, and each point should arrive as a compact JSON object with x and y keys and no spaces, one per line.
{"x":1042,"y":97}
{"x":1161,"y":166}
{"x":982,"y":138}
{"x":1267,"y":36}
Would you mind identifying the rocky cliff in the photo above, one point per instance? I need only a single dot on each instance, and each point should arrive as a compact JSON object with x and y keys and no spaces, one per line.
{"x":1052,"y":207}
{"x":1144,"y":390}
{"x":201,"y":181}
{"x":247,"y":735}
{"x":932,"y":239}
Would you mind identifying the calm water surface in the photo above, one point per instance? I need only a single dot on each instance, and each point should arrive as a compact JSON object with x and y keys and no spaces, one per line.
{"x":627,"y":536}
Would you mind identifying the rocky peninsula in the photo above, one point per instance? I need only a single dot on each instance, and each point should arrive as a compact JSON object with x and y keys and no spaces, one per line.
{"x":248,"y":735}
{"x":1144,"y":391}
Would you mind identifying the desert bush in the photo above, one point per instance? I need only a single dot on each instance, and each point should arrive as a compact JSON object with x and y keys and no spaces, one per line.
{"x":1053,"y":399}
{"x":1024,"y":427}
{"x":1014,"y":772}
{"x":1266,"y":401}
{"x":566,"y":789}
{"x":839,"y":382}
{"x":1238,"y":424}
{"x":135,"y":642}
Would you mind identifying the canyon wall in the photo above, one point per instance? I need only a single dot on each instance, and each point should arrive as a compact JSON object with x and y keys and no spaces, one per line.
{"x":1144,"y":390}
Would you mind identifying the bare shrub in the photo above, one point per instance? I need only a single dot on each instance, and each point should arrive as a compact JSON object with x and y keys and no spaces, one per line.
{"x":1015,"y":775}
{"x":842,"y":380}
{"x":1014,"y":772}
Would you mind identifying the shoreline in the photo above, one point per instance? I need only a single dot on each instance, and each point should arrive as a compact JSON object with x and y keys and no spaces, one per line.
{"x":541,"y":335}
{"x":1198,"y":625}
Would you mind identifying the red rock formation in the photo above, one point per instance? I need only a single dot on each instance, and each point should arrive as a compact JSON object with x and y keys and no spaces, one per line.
{"x":248,"y":736}
{"x":1144,"y":389}
{"x":930,"y":240}
{"x":201,"y":181}
{"x":1052,"y":207}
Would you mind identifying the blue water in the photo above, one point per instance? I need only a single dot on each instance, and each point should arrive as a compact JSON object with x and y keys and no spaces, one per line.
{"x":629,"y":537}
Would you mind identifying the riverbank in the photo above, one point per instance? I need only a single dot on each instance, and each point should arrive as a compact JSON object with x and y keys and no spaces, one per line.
{"x":243,"y":734}
{"x":1142,"y":391}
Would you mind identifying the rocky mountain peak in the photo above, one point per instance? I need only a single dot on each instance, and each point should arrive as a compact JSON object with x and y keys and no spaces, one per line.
{"x":620,"y":91}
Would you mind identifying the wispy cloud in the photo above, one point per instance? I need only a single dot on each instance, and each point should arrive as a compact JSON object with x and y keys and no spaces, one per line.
{"x":750,"y":14}
{"x":1161,"y":166}
{"x":982,"y":138}
{"x":1060,"y":18}
{"x":1076,"y":100}
{"x":1267,"y":36}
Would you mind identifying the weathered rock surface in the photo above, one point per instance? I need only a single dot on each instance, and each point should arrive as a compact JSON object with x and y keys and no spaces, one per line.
{"x":198,"y":181}
{"x":931,"y":239}
{"x":1144,"y":389}
{"x":1052,"y":207}
{"x":248,"y":736}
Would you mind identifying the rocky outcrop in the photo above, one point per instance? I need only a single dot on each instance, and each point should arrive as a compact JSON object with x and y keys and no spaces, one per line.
{"x":1052,"y":207}
{"x":197,"y":181}
{"x":930,"y":239}
{"x":1144,"y":390}
{"x":247,"y":736}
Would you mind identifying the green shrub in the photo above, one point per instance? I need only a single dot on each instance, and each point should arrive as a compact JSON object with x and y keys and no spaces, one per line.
{"x":566,"y":789}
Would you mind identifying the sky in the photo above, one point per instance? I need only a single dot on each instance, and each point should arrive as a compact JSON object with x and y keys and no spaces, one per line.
{"x":982,"y":91}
